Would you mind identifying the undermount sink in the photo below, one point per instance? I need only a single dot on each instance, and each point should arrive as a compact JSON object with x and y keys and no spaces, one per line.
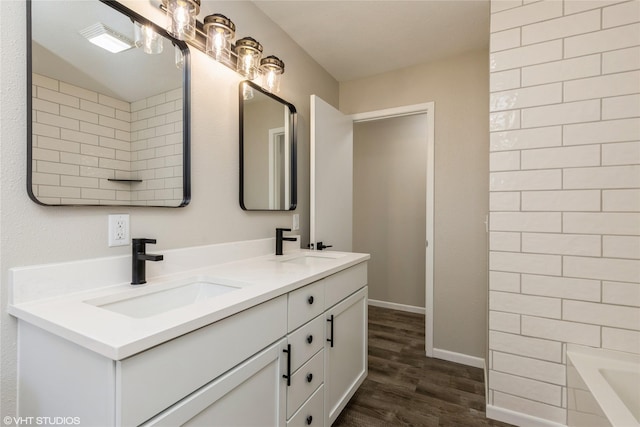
{"x":311,"y":258}
{"x":158,"y":302}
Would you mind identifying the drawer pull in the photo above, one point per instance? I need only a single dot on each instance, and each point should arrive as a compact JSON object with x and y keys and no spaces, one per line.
{"x":309,"y":377}
{"x":330,"y":320}
{"x":288,"y":374}
{"x":310,"y":339}
{"x":309,"y":420}
{"x":310,"y":300}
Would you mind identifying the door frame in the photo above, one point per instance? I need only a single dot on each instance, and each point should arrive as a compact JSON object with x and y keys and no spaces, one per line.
{"x":427,"y":108}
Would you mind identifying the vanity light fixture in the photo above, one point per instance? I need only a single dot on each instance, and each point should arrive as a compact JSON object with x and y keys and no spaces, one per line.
{"x":181,"y":18}
{"x":147,"y":39}
{"x":271,"y":69}
{"x":215,"y":38}
{"x":249,"y":52}
{"x":220,"y":32}
{"x":107,"y":38}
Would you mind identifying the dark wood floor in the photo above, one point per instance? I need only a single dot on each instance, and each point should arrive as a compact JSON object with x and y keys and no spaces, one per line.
{"x":405,"y":388}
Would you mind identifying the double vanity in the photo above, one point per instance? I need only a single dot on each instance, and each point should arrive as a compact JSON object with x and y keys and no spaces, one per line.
{"x":225,"y":335}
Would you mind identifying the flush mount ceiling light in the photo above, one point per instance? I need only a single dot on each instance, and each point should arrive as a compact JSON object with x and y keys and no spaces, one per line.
{"x":107,"y":38}
{"x":215,"y":38}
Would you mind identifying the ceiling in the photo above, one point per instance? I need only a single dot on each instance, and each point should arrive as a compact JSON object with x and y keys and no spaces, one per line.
{"x":360,"y":38}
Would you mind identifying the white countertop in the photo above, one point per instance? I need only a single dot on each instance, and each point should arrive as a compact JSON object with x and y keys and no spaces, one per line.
{"x":118,"y":336}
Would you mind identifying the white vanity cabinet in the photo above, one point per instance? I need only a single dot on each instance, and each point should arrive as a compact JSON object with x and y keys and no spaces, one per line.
{"x":345,"y":352}
{"x":197,"y":372}
{"x":252,"y":394}
{"x":329,"y":351}
{"x":292,"y":361}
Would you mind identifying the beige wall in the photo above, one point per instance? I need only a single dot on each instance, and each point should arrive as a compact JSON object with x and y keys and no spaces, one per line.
{"x":389,"y":206}
{"x":33,"y":234}
{"x":459,"y":87}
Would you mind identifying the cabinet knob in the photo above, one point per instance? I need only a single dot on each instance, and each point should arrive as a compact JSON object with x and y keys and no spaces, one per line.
{"x":309,"y":420}
{"x":310,"y":339}
{"x":309,"y":377}
{"x":310,"y":299}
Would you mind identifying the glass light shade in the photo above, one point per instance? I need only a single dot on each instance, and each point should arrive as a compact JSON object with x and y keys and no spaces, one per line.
{"x":181,"y":18}
{"x":179,"y":58}
{"x":249,"y":52}
{"x":271,"y":69}
{"x":147,"y":39}
{"x":220,"y":32}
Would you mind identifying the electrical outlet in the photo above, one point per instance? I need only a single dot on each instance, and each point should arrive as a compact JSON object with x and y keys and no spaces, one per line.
{"x":296,"y":222}
{"x":118,"y":230}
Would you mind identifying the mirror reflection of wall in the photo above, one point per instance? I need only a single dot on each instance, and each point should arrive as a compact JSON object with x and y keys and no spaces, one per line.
{"x":268,"y":151}
{"x":107,"y":128}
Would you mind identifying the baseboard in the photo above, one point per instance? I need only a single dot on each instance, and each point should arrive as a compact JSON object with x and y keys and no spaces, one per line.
{"x":518,"y":418}
{"x":464,"y":359}
{"x":395,"y":306}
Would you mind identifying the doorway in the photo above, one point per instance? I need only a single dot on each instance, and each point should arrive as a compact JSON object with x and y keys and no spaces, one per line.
{"x":393,"y":207}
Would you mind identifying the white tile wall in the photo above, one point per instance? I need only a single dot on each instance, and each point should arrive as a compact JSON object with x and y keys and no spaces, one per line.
{"x":561,"y":287}
{"x":562,"y":200}
{"x":82,"y":138}
{"x":565,"y":193}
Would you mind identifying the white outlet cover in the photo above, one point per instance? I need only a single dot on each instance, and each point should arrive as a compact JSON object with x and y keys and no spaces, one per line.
{"x":119,"y":230}
{"x":296,"y":222}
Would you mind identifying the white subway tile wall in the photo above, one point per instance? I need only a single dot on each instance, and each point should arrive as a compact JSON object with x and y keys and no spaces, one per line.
{"x":564,"y":193}
{"x":82,"y":138}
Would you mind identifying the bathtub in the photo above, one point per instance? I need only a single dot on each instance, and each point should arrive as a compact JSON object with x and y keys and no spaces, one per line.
{"x":603,"y":388}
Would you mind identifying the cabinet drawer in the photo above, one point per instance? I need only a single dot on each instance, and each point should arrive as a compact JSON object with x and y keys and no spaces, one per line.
{"x":305,"y":304}
{"x":301,"y":348}
{"x":155,"y":379}
{"x":340,"y":285}
{"x":303,"y":383}
{"x":311,"y":413}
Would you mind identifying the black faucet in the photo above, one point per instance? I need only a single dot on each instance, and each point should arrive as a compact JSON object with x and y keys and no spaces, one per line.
{"x":139,"y":256}
{"x":279,"y":239}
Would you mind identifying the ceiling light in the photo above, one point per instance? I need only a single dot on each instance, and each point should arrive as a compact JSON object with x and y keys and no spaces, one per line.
{"x":107,"y":38}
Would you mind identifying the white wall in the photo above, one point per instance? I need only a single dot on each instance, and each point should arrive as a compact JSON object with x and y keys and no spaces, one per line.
{"x":565,"y":193}
{"x":459,"y":88}
{"x":32,"y":234}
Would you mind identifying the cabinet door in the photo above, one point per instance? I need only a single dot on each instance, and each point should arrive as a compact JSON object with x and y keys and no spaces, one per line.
{"x":252,"y":394}
{"x":345,"y":352}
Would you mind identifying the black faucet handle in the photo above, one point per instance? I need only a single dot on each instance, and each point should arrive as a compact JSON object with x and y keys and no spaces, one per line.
{"x":283,"y":229}
{"x":144,"y":240}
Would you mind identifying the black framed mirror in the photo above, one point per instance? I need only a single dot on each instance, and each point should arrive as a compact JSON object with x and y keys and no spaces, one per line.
{"x":268,"y":126}
{"x":108,"y":124}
